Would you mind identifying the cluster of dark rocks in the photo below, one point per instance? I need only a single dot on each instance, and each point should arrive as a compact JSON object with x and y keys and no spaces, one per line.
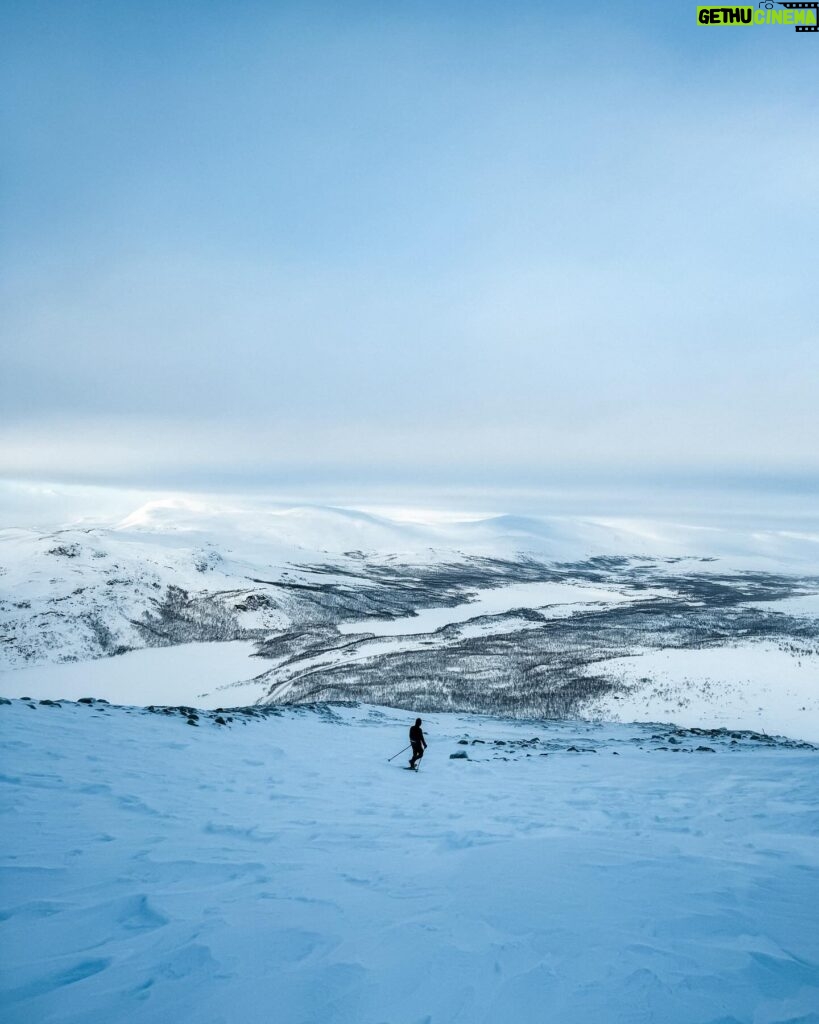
{"x":65,"y":551}
{"x":732,"y":738}
{"x":664,"y":738}
{"x":192,"y":716}
{"x":220,"y":716}
{"x":31,"y":703}
{"x":500,"y":748}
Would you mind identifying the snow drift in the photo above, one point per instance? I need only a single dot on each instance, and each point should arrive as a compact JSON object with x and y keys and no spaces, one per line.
{"x":166,"y":867}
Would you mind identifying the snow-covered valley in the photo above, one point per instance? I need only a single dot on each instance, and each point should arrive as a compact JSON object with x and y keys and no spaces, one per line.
{"x":550,"y":616}
{"x":278,"y":867}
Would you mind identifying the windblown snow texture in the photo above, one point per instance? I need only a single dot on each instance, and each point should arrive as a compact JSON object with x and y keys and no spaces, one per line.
{"x":165,"y":867}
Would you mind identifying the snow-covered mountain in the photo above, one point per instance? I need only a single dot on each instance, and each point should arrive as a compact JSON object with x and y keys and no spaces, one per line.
{"x":498,"y":614}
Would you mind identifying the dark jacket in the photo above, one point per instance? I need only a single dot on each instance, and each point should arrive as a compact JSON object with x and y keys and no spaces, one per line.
{"x":417,"y":736}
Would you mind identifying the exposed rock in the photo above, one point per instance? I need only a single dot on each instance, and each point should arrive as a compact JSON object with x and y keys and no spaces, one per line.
{"x":65,"y":550}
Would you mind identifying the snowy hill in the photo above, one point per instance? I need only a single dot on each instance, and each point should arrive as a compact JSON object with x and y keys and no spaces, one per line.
{"x":497,"y":614}
{"x":277,"y":867}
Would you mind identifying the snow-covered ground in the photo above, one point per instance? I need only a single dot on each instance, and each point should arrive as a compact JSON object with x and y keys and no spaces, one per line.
{"x":767,"y":687}
{"x":189,"y":674}
{"x":806,"y":606}
{"x":280,"y":869}
{"x":563,"y":597}
{"x":553,"y":527}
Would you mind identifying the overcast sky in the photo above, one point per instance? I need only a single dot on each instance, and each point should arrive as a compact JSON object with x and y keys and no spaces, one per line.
{"x":405,"y":241}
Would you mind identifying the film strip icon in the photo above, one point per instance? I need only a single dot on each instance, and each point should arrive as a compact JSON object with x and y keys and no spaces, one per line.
{"x":813,"y":5}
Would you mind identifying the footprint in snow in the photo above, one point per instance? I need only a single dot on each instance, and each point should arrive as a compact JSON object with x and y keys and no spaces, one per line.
{"x":54,"y":980}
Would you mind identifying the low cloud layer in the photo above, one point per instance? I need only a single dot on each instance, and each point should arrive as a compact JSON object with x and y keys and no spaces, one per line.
{"x":453,"y":243}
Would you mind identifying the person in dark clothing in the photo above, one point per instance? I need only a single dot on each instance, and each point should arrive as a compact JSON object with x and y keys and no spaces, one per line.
{"x":419,"y":744}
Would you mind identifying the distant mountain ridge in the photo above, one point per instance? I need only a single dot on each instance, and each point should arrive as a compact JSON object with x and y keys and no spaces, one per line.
{"x":500,"y":614}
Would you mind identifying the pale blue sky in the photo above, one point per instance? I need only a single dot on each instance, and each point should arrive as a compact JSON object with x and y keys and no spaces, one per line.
{"x":416,"y":241}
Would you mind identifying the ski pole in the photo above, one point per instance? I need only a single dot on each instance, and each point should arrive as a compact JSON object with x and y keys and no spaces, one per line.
{"x":399,"y":752}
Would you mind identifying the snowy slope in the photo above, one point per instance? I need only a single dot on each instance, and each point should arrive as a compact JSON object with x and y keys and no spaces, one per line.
{"x":279,"y":869}
{"x":768,"y":687}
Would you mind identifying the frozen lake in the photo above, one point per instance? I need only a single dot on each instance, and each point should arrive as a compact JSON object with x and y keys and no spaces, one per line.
{"x":494,"y":601}
{"x":187,"y":674}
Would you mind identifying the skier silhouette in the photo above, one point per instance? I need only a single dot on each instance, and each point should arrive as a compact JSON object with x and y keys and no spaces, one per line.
{"x":419,"y":744}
